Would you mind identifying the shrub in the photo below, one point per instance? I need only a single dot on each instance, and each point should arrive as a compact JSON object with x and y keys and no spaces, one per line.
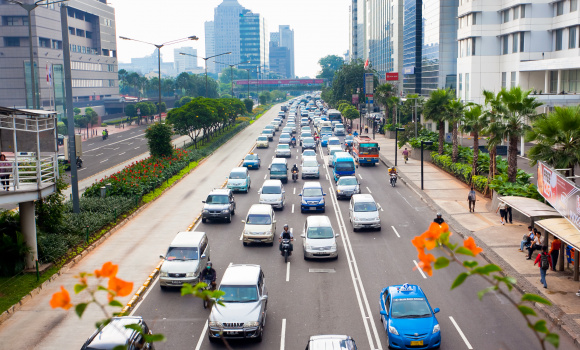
{"x":13,"y":250}
{"x":61,"y":128}
{"x":104,"y":125}
{"x":249,"y":103}
{"x":159,"y":139}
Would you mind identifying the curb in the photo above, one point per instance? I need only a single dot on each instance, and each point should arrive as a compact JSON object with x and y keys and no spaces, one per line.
{"x":553,"y":313}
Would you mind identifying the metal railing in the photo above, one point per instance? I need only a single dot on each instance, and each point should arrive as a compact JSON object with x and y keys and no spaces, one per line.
{"x":27,"y":173}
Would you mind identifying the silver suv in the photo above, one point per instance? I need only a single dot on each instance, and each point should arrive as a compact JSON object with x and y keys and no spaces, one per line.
{"x":219,"y":205}
{"x":243,"y":315}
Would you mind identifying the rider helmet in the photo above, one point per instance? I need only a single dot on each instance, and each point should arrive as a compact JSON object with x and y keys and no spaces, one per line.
{"x":438,"y":215}
{"x":285,"y":226}
{"x":209,"y":264}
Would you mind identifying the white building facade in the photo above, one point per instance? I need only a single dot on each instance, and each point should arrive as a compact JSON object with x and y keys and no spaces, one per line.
{"x":530,"y":43}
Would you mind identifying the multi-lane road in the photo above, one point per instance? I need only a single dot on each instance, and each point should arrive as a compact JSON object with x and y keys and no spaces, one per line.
{"x":338,"y":296}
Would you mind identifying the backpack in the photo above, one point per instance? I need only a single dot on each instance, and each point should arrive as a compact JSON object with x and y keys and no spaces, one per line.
{"x":471,"y":195}
{"x":544,"y":263}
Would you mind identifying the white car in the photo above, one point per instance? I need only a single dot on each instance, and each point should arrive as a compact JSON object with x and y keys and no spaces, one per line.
{"x":310,"y":168}
{"x":272,"y":192}
{"x":363,"y":212}
{"x":283,"y":151}
{"x":332,"y":141}
{"x":308,"y":153}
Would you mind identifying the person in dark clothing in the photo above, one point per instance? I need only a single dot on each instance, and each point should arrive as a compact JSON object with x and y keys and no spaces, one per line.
{"x":208,"y":274}
{"x":545,"y":261}
{"x":439,"y":220}
{"x":536,"y":244}
{"x":286,"y":234}
{"x":508,"y":214}
{"x":555,"y":251}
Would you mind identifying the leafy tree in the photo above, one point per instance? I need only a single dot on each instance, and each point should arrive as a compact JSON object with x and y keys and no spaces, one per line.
{"x":265,"y":97}
{"x":474,"y":121}
{"x":163,"y":107}
{"x":329,"y":65}
{"x":225,"y":96}
{"x":386,"y":95}
{"x":407,"y":110}
{"x":436,"y":110}
{"x":455,"y":109}
{"x":557,"y":138}
{"x":340,"y":102}
{"x":191,"y":119}
{"x":350,"y":113}
{"x":159,"y":140}
{"x":494,"y":110}
{"x":342,"y":106}
{"x":277,"y":95}
{"x":131,"y":110}
{"x":76,"y":111}
{"x":249,"y":103}
{"x":92,"y":116}
{"x":349,"y":80}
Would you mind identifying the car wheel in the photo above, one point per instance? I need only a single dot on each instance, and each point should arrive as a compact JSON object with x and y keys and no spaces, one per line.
{"x":204,"y":220}
{"x":378,"y":228}
{"x":213,"y":340}
{"x":164,"y":288}
{"x":245,"y":244}
{"x":229,"y":219}
{"x":259,"y":338}
{"x":324,"y":210}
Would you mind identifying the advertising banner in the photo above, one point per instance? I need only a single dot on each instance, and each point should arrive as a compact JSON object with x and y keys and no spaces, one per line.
{"x":279,"y":81}
{"x":369,"y":83}
{"x":392,"y":76}
{"x":355,"y":99}
{"x":560,"y":192}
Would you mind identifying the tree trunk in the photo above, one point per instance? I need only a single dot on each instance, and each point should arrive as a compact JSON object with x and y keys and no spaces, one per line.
{"x":475,"y":153}
{"x":441,"y":136}
{"x":394,"y":114}
{"x":455,"y":143}
{"x":492,"y":166}
{"x":513,"y":158}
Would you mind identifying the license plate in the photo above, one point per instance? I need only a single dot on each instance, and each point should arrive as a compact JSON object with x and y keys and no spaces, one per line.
{"x":416,"y":342}
{"x":236,"y":333}
{"x":176,"y":282}
{"x":249,"y":165}
{"x":257,"y":240}
{"x":313,"y":208}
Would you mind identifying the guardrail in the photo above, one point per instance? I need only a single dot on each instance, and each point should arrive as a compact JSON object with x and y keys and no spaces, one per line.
{"x":24,"y":173}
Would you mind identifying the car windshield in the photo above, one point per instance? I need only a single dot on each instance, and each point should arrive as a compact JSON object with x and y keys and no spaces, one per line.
{"x":347,"y":181}
{"x":217,"y":199}
{"x":283,"y":147}
{"x":266,"y":132}
{"x":308,"y":140}
{"x":269,"y":127}
{"x":262,"y":138}
{"x":252,"y":157}
{"x":309,"y":153}
{"x":369,"y":148}
{"x":334,"y":142}
{"x":182,"y":253}
{"x":259,"y":219}
{"x":271,"y":190}
{"x":320,"y":232}
{"x":285,"y":136}
{"x":239,"y":294}
{"x":306,"y":134}
{"x":278,"y":167}
{"x":325,"y":138}
{"x":237,"y":175}
{"x":410,"y":308}
{"x":344,"y":166}
{"x":310,"y":163}
{"x":349,"y":138}
{"x":365,"y":206}
{"x":312,"y":192}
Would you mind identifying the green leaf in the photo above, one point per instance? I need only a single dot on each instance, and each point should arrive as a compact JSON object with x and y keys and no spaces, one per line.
{"x":464,"y":251}
{"x":553,"y":339}
{"x":115,"y":303}
{"x":80,"y":309}
{"x":152,"y":338}
{"x":451,"y":246}
{"x":135,"y":327}
{"x":445,"y":237}
{"x":540,"y":326}
{"x":535,"y":299}
{"x":102,"y":288}
{"x":441,"y":262}
{"x":79,"y":288}
{"x":187,"y":289}
{"x":487,"y":269}
{"x":459,"y":280}
{"x":526,"y":310}
{"x":470,"y":264}
{"x":120,"y":347}
{"x":507,"y":280}
{"x":482,"y":292}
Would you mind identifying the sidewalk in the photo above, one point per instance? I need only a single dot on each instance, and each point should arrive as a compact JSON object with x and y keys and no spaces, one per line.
{"x":501,"y":243}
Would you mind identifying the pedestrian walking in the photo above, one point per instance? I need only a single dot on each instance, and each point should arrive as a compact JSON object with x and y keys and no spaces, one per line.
{"x":471,"y":200}
{"x":406,"y":155}
{"x":527,"y":239}
{"x":536,"y":244}
{"x":502,"y":212}
{"x":508,"y":213}
{"x":366,"y":129}
{"x":5,"y":170}
{"x":555,"y":251}
{"x":545,"y":261}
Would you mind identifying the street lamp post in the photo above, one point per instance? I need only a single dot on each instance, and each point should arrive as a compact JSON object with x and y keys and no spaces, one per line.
{"x":396,"y":142}
{"x":248,"y":70}
{"x":428,"y":143}
{"x":29,"y":8}
{"x":159,"y":46}
{"x":232,"y":72}
{"x":205,"y":63}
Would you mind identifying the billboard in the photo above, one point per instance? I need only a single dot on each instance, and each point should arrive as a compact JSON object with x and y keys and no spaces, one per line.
{"x":280,"y":81}
{"x":560,"y":192}
{"x":392,"y":76}
{"x":409,"y":70}
{"x":355,"y":99}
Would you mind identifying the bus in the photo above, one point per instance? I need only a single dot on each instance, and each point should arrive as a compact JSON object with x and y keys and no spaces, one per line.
{"x":343,"y":165}
{"x":333,"y":114}
{"x":365,"y":150}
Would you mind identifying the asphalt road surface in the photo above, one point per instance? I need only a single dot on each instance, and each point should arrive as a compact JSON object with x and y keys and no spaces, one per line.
{"x":338,"y":296}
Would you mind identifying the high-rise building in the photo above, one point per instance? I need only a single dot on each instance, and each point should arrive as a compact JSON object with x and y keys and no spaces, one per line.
{"x":210,"y":45}
{"x":282,"y":52}
{"x":358,"y":39}
{"x":430,"y":45}
{"x":287,"y":41}
{"x":227,"y":33}
{"x":93,"y":50}
{"x":275,"y":38}
{"x":184,"y":63}
{"x":253,"y":42}
{"x":533,"y":44}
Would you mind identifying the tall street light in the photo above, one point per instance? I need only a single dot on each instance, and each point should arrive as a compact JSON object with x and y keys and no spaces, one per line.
{"x":159,"y":46}
{"x":232,"y":72}
{"x":248,"y":70}
{"x":29,"y":8}
{"x":396,"y":142}
{"x":205,"y":62}
{"x":428,"y":143}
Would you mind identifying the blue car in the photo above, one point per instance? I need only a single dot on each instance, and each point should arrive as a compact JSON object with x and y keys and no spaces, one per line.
{"x":324,"y":141}
{"x":252,"y":161}
{"x":312,"y":197}
{"x":408,"y":319}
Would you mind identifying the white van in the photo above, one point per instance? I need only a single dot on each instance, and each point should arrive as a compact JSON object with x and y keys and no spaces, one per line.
{"x":272,"y":193}
{"x":260,"y":225}
{"x":186,"y":256}
{"x":363,"y":212}
{"x":319,"y":239}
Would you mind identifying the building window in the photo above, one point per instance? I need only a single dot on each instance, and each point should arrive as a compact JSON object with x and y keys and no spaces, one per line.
{"x":84,"y":49}
{"x":503,"y":79}
{"x":516,"y":12}
{"x":513,"y":80}
{"x":553,"y":81}
{"x":573,"y":5}
{"x":15,"y":20}
{"x":572,"y":80}
{"x":80,"y":32}
{"x":44,"y":42}
{"x":515,"y":45}
{"x":504,"y":50}
{"x":89,"y":35}
{"x":460,"y":84}
{"x":572,"y":37}
{"x":71,"y":30}
{"x":506,"y":16}
{"x":559,"y":8}
{"x":467,"y":97}
{"x":57,"y":44}
{"x":522,"y":36}
{"x":559,"y":37}
{"x":474,"y":19}
{"x":523,"y":11}
{"x":11,"y":41}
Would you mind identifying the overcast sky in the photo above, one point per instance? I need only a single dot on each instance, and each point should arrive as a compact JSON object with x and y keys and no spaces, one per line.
{"x":320,"y":26}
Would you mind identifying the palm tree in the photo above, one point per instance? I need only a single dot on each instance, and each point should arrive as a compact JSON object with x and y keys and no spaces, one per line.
{"x":557,"y":137}
{"x":493,"y":113}
{"x":520,"y":109}
{"x":474,"y":121}
{"x":386,"y":94}
{"x":435,"y":109}
{"x":455,"y":109}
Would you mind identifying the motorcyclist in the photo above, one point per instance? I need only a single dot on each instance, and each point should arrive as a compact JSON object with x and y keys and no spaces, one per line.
{"x":286,"y":234}
{"x":293,"y":141}
{"x":294,"y":169}
{"x":208,"y":274}
{"x":104,"y":134}
{"x":393,"y":171}
{"x":439,"y":220}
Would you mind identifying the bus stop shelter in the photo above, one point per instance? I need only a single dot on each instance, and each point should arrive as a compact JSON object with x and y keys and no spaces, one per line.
{"x":569,"y":234}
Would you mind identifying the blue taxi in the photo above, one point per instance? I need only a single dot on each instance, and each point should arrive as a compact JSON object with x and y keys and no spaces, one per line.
{"x":252,"y":161}
{"x":408,"y":319}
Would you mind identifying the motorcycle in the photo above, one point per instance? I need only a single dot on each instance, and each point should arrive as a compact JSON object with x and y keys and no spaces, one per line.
{"x":293,"y":143}
{"x":286,"y":249}
{"x":79,"y":162}
{"x":105,"y":136}
{"x":209,"y":286}
{"x":393,"y":179}
{"x":294,"y":176}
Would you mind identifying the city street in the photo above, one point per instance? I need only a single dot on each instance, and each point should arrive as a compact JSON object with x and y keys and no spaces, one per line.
{"x":338,"y":296}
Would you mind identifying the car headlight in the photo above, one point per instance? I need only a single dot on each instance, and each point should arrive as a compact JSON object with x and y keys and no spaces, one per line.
{"x":251,"y":324}
{"x":322,"y":201}
{"x":393,"y":330}
{"x":333,"y":247}
{"x":308,"y":246}
{"x":215,"y":324}
{"x":338,"y":191}
{"x":163,"y":274}
{"x":245,"y":232}
{"x":357,"y":189}
{"x":225,"y":211}
{"x":436,"y":328}
{"x":304,"y":201}
{"x":206,"y":211}
{"x":190,"y":274}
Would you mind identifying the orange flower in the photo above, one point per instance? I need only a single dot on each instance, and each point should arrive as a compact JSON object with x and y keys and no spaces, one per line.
{"x":419,"y":243}
{"x":470,"y":244}
{"x":425,"y":261}
{"x":61,"y":299}
{"x":108,"y":270}
{"x":435,"y":230}
{"x":119,"y":287}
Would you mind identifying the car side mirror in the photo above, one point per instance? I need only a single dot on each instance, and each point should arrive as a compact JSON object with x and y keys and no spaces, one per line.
{"x":283,"y":192}
{"x":203,"y":256}
{"x":324,"y":194}
{"x":264,"y":298}
{"x":384,"y":313}
{"x":300,"y":194}
{"x":303,"y":235}
{"x":436,"y":310}
{"x":337,"y":235}
{"x":379,"y":148}
{"x":203,"y":201}
{"x":162,"y":256}
{"x":244,"y":221}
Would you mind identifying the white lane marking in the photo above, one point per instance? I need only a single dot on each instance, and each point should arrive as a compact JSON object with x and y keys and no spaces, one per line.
{"x":288,"y":271}
{"x":132,"y":132}
{"x":296,"y":157}
{"x":381,"y":207}
{"x":137,"y":147}
{"x":359,"y":176}
{"x":114,"y":149}
{"x":105,"y":160}
{"x":397,"y":233}
{"x":265,"y":176}
{"x":201,"y":336}
{"x":327,"y":177}
{"x":129,"y":144}
{"x":82,"y":169}
{"x":294,"y":190}
{"x":90,"y":144}
{"x":283,"y":335}
{"x":292,"y":208}
{"x":100,"y":154}
{"x":122,"y":153}
{"x":242,"y":235}
{"x":461,"y":333}
{"x":368,"y":189}
{"x":151,"y":286}
{"x":110,"y":144}
{"x":420,"y":269}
